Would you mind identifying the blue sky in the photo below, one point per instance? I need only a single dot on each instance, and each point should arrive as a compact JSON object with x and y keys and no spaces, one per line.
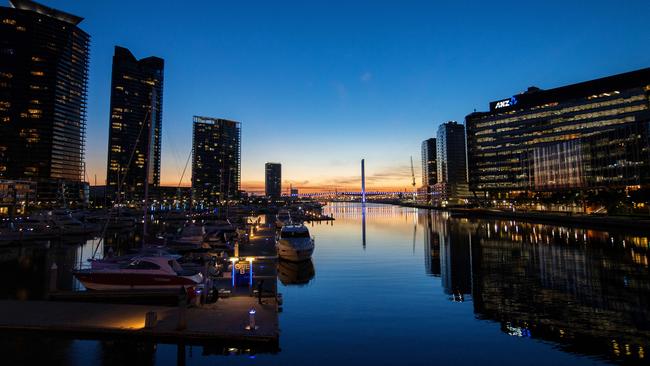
{"x":318,"y":85}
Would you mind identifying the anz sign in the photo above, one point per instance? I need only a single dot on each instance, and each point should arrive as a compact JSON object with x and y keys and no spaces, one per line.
{"x":506,"y":103}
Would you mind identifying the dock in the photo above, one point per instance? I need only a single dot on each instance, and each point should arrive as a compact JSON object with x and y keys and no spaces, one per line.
{"x":226,"y":322}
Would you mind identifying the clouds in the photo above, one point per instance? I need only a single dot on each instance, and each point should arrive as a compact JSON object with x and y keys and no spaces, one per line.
{"x":366,"y":77}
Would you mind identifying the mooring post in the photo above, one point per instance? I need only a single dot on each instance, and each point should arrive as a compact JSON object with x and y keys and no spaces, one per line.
{"x":150,"y":319}
{"x":182,"y":310}
{"x":54,"y":273}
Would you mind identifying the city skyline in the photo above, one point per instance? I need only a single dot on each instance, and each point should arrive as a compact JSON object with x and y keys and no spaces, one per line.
{"x":367,"y":89}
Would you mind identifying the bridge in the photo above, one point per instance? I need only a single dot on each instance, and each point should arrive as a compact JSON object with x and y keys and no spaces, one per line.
{"x":347,"y":194}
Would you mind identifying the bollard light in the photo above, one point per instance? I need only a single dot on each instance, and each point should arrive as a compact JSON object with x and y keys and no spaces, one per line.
{"x":251,"y":319}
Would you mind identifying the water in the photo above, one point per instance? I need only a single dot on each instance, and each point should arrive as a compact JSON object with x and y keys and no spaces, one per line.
{"x":392,"y":285}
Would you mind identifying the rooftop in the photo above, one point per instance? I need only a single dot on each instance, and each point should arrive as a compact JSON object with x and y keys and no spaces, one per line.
{"x":45,"y":10}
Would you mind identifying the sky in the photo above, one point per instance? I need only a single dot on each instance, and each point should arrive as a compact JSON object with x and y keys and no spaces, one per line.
{"x":319,"y":85}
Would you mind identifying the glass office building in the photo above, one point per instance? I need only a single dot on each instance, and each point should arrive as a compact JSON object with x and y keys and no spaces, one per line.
{"x":44,"y":59}
{"x":587,"y":136}
{"x":451,"y":162}
{"x":216,"y":159}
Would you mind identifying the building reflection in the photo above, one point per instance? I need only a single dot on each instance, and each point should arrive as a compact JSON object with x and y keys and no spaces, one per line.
{"x":431,"y":244}
{"x":587,"y":291}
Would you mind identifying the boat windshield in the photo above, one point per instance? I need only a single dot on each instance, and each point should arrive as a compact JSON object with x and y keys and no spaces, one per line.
{"x":175,"y":266}
{"x":138,"y":264}
{"x":295,"y":234}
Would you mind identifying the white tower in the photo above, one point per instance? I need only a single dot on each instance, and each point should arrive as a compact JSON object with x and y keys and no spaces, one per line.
{"x":363,"y":181}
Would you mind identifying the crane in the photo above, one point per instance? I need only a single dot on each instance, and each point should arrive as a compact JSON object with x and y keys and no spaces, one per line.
{"x":413,"y":176}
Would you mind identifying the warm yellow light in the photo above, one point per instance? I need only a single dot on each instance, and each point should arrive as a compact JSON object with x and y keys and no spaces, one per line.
{"x":250,"y":259}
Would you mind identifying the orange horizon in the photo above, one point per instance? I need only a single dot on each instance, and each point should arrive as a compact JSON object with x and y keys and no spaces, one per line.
{"x":258,"y":187}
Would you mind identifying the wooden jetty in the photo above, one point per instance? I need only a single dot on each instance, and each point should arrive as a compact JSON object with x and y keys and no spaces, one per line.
{"x":226,"y":321}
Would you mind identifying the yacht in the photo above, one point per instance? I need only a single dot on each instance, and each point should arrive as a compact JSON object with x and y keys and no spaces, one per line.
{"x":192,"y":235}
{"x":294,"y":243}
{"x":121,"y":260}
{"x":283,"y":218}
{"x":68,"y":225}
{"x":159,"y":272}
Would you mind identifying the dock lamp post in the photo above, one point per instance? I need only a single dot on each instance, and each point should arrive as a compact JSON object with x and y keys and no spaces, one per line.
{"x":250,"y":271}
{"x":234,"y":260}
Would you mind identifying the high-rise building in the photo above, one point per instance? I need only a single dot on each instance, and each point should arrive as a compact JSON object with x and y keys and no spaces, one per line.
{"x":273,"y":180}
{"x":44,"y":59}
{"x":451,"y":161}
{"x":587,"y":136}
{"x":216,"y":159}
{"x":429,"y":166}
{"x":135,"y":125}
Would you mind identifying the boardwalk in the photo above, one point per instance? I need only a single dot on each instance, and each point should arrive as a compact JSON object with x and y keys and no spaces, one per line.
{"x":221,"y":322}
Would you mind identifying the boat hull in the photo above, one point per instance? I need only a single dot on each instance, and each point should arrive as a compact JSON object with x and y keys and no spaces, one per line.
{"x":110,"y":281}
{"x":290,"y":253}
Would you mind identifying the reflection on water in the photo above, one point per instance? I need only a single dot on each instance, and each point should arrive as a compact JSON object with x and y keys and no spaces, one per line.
{"x":587,"y":291}
{"x":406,"y":286}
{"x":295,"y":273}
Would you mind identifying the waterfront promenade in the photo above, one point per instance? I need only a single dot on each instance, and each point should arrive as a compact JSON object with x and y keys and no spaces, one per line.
{"x":222,"y":322}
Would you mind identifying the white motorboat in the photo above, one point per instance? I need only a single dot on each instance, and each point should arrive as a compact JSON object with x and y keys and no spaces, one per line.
{"x":141,"y":273}
{"x":191,"y":235}
{"x":68,"y":225}
{"x":282,"y":218}
{"x":294,"y":243}
{"x":121,"y":260}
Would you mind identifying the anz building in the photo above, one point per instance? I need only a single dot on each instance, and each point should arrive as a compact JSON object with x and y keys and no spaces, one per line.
{"x":587,"y":136}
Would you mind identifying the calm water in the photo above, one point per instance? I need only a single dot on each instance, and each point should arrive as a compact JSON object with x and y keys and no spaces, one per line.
{"x":391,"y":286}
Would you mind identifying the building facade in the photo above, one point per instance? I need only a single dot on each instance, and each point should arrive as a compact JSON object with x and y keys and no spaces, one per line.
{"x":273,"y":180}
{"x":429,"y":170}
{"x":135,"y":125}
{"x":429,"y":165}
{"x":44,"y":59}
{"x":216,"y":159}
{"x":451,"y":162}
{"x":591,"y":135}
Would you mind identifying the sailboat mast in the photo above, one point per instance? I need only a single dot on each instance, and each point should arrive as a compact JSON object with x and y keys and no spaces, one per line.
{"x":147,"y":166}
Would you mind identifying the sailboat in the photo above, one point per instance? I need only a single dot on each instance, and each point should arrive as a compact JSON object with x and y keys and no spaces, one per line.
{"x":142,"y":271}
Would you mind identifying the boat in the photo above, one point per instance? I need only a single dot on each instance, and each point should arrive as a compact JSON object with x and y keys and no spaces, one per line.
{"x":191,"y":235}
{"x":68,"y":225}
{"x":28,"y":228}
{"x":294,"y":243}
{"x":141,"y":273}
{"x":283,"y":218}
{"x":220,"y":234}
{"x":121,"y":260}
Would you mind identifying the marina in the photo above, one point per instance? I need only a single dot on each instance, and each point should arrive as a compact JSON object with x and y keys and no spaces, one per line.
{"x":215,"y":309}
{"x":311,"y":183}
{"x":513,"y":289}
